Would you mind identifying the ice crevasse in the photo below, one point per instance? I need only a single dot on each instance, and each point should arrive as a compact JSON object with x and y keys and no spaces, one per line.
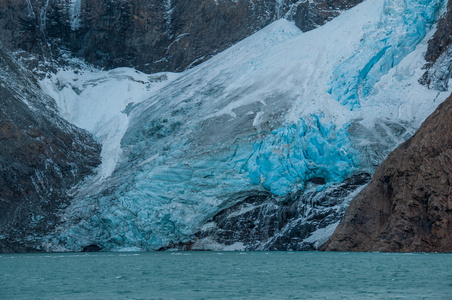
{"x":402,"y":26}
{"x":276,"y":112}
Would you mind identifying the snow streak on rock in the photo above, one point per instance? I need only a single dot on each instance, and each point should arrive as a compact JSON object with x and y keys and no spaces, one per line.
{"x":75,"y":9}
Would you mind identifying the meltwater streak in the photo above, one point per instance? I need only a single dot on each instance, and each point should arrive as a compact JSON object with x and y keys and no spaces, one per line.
{"x":226,"y":275}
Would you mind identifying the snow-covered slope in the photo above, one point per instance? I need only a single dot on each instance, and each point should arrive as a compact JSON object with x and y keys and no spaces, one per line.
{"x":280,"y":112}
{"x":100,"y":101}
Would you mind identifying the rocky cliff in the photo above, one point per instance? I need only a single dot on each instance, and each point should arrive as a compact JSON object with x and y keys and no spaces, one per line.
{"x":41,"y":158}
{"x":439,"y":53}
{"x":312,"y":14}
{"x":262,"y":221}
{"x":151,"y":36}
{"x":407,"y":206}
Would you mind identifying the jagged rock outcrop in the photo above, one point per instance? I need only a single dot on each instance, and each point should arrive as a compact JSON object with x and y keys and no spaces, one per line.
{"x":151,"y":36}
{"x":407,"y":206}
{"x":439,"y":54}
{"x":41,"y":157}
{"x":312,"y":14}
{"x":262,"y":221}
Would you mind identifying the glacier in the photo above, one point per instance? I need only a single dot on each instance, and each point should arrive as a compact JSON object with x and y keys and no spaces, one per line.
{"x":293,"y":154}
{"x":281,"y":112}
{"x":402,"y":26}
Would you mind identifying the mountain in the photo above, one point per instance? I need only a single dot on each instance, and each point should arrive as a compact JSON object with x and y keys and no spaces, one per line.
{"x":42,"y":157}
{"x":256,"y":146}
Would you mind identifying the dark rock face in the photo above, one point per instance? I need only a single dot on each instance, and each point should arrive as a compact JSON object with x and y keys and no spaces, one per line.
{"x":408,"y":204}
{"x":439,"y":54}
{"x":312,"y":14}
{"x":20,"y":25}
{"x":41,"y":158}
{"x":164,"y":35}
{"x":264,"y":222}
{"x":153,"y":35}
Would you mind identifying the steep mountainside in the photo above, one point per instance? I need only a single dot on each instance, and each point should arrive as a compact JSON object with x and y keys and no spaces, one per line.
{"x":42,"y":156}
{"x":439,"y":54}
{"x":408,"y":204}
{"x":153,"y":35}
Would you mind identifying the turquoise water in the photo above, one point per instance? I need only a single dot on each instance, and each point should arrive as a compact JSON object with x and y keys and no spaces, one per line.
{"x":226,"y":275}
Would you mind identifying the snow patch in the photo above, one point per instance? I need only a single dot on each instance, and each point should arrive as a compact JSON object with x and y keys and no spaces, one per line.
{"x":320,"y":236}
{"x":238,"y":246}
{"x":99,"y":101}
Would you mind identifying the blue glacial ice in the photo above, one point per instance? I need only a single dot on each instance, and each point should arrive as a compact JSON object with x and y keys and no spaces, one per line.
{"x":293,"y":154}
{"x":273,"y":113}
{"x":402,"y":26}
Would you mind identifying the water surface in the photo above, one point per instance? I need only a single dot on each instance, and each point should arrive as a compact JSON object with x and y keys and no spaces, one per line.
{"x":226,"y":275}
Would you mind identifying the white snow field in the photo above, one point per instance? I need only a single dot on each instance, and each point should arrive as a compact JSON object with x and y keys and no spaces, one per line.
{"x":268,"y":114}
